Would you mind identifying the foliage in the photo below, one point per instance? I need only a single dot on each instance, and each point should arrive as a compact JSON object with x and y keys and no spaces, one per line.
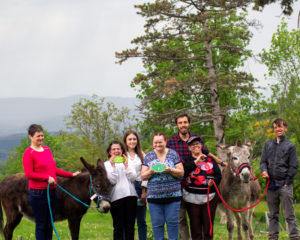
{"x":192,"y":54}
{"x":14,"y":163}
{"x":94,"y":124}
{"x":283,"y":62}
{"x":286,"y":5}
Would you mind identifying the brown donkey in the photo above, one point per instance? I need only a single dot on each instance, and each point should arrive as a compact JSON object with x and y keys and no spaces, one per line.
{"x":238,"y":189}
{"x":14,"y":196}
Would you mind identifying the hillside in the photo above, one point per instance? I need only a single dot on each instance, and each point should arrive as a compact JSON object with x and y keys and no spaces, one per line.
{"x":16,"y":114}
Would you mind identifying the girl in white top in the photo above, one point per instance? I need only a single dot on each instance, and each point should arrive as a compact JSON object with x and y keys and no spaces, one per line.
{"x":136,"y":157}
{"x":123,"y":195}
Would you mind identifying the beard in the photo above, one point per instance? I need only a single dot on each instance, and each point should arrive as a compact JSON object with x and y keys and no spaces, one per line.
{"x":183,"y":131}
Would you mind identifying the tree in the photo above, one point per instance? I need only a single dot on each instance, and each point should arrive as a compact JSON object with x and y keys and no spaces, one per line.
{"x":94,"y":124}
{"x":283,"y":62}
{"x":286,"y":5}
{"x":192,"y":53}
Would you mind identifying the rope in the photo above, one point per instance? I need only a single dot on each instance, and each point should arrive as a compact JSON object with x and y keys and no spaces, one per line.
{"x":49,"y":204}
{"x":232,"y":209}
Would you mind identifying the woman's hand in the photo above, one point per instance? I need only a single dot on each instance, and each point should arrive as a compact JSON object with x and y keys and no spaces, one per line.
{"x":126,"y":161}
{"x":147,"y":173}
{"x":112,"y":161}
{"x":210,"y":182}
{"x":76,"y":173}
{"x":167,"y":170}
{"x":143,"y":197}
{"x":200,"y":158}
{"x":51,"y":180}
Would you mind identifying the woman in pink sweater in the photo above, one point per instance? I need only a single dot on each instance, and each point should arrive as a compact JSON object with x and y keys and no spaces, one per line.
{"x":40,"y":169}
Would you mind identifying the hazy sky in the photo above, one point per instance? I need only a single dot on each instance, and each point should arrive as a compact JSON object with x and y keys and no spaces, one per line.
{"x":60,"y":48}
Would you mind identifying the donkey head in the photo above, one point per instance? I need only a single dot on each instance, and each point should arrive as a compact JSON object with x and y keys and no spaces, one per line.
{"x":238,"y":157}
{"x":100,"y":184}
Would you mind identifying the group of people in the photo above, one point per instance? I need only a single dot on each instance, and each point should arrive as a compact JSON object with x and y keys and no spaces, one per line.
{"x":189,"y":170}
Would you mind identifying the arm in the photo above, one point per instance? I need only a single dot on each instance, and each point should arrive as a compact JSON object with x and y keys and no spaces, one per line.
{"x":146,"y":173}
{"x":130,"y":173}
{"x":177,"y":171}
{"x":190,"y":164}
{"x":112,"y":173}
{"x":62,"y":173}
{"x":263,"y":163}
{"x":144,"y":194}
{"x":218,"y":160}
{"x":293,"y":165}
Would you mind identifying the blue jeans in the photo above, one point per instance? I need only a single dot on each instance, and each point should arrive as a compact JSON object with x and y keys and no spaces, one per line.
{"x":141,"y":221}
{"x":141,"y":213}
{"x":39,"y":204}
{"x":162,"y":213}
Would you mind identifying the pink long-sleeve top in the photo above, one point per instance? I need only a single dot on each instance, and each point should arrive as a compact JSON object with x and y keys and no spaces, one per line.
{"x":38,"y":166}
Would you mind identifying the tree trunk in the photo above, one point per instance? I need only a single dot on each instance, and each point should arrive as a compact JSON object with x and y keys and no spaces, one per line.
{"x":217,"y":115}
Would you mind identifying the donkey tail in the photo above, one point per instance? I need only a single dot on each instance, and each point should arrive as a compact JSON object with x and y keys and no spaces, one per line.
{"x":1,"y":219}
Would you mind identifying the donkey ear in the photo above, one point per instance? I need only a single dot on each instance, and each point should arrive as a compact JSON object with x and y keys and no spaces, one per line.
{"x":100,"y":165}
{"x":223,"y":147}
{"x":88,"y":166}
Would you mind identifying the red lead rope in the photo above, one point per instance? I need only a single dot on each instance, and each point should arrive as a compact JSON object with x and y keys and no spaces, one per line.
{"x":225,"y":203}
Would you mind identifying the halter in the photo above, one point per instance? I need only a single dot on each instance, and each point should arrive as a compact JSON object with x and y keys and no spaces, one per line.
{"x":96,"y":193}
{"x":240,"y":168}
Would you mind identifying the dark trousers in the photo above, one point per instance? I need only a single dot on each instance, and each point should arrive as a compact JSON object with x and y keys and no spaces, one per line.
{"x":141,"y":221}
{"x":199,"y":219}
{"x":123,"y":213}
{"x":39,"y":204}
{"x":273,"y":200}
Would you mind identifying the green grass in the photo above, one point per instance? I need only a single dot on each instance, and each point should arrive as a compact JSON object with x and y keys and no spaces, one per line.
{"x":99,"y":226}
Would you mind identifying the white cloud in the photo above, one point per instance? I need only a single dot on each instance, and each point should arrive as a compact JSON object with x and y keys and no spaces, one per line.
{"x":60,"y":48}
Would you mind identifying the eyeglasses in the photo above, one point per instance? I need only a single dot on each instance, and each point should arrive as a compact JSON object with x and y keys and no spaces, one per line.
{"x":195,"y":144}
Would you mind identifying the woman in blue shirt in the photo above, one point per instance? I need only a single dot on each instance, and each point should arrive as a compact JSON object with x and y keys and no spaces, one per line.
{"x":163,"y":190}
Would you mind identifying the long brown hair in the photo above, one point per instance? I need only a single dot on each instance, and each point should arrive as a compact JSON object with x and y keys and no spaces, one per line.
{"x":137,"y":148}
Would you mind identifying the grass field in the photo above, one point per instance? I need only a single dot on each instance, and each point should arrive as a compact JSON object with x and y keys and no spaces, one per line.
{"x":99,"y":226}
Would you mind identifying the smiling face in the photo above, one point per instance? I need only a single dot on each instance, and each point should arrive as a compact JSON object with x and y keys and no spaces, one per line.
{"x":183,"y":125}
{"x":115,"y":150}
{"x":195,"y":148}
{"x":37,"y":139}
{"x":279,"y":130}
{"x":159,"y":143}
{"x":131,"y":141}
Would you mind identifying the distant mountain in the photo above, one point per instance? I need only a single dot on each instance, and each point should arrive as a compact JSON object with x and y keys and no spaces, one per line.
{"x":16,"y":114}
{"x":7,"y":143}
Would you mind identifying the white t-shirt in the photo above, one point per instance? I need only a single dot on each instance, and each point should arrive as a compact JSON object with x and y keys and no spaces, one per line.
{"x":122,"y":180}
{"x":137,"y":165}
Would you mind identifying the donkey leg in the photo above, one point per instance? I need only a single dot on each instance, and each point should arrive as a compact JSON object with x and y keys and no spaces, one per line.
{"x":74,"y":226}
{"x":230,"y":224}
{"x":245,"y":222}
{"x":12,"y":221}
{"x":251,"y":233}
{"x":238,"y":225}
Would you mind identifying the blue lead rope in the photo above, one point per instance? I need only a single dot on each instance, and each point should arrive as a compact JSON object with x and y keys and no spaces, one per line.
{"x":49,"y":204}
